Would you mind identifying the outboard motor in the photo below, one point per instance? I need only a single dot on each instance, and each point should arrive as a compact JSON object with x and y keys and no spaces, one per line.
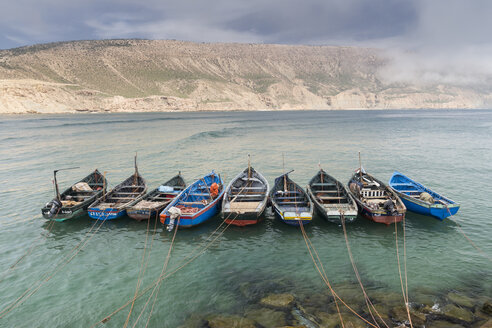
{"x":55,"y":206}
{"x":174,"y":214}
{"x":389,"y":207}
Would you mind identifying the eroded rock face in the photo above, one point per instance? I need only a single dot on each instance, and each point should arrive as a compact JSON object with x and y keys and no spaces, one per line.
{"x":278,"y":300}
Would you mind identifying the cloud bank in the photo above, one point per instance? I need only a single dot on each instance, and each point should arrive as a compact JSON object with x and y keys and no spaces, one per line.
{"x":430,"y":41}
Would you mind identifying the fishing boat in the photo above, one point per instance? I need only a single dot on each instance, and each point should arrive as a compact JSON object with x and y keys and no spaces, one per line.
{"x":154,"y":201}
{"x":331,"y":199}
{"x":196,"y":204}
{"x":245,"y":198}
{"x":75,"y":200}
{"x":376,"y":201}
{"x":290,"y":202}
{"x":114,"y":204}
{"x":420,"y":199}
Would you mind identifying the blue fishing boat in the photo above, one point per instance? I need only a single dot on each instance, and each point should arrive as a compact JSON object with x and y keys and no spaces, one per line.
{"x":114,"y":204}
{"x":196,"y":204}
{"x":290,"y":202}
{"x":420,"y":199}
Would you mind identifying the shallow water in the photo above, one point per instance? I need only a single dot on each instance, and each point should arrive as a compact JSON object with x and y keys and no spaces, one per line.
{"x":449,"y":151}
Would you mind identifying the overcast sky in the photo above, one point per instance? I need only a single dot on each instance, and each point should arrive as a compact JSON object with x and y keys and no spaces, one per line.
{"x":448,"y":33}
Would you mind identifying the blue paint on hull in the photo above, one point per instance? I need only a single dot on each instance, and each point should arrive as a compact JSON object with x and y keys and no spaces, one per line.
{"x":192,"y":196}
{"x":405,"y":187}
{"x":105,"y":214}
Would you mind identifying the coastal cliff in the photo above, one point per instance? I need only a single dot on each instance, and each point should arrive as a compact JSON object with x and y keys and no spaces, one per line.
{"x":156,"y":75}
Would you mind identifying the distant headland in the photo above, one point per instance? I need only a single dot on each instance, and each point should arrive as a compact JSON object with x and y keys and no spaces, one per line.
{"x":157,"y":75}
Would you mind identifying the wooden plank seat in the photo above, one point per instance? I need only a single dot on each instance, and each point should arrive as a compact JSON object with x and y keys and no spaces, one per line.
{"x":113,"y":197}
{"x":330,"y":197}
{"x":250,"y":179}
{"x":248,"y":188}
{"x":133,"y":187}
{"x":192,"y":203}
{"x":243,"y":206}
{"x":249,"y":196}
{"x":323,"y":184}
{"x":327,"y":191}
{"x":200,"y":194}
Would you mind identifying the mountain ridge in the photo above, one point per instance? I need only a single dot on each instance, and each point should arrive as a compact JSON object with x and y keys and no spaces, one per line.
{"x":166,"y":75}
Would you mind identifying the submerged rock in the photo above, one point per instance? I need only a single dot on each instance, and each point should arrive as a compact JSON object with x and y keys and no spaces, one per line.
{"x":267,"y":317}
{"x":278,"y":300}
{"x":400,"y":314}
{"x":455,"y":312}
{"x":487,"y":308}
{"x":443,"y":324}
{"x":230,"y":321}
{"x":460,"y":299}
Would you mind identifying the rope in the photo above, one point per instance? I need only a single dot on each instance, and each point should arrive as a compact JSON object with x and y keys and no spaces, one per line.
{"x":356,"y":271}
{"x":405,"y":296}
{"x":28,"y":252}
{"x":473,"y":244}
{"x":158,"y":286}
{"x":160,"y":278}
{"x":17,"y":221}
{"x":47,"y":276}
{"x":324,"y":277}
{"x":142,"y":264}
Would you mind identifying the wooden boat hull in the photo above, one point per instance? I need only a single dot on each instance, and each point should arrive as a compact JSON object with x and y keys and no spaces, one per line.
{"x":114,"y":204}
{"x":204,"y":214}
{"x":378,"y":217}
{"x":331,"y":199}
{"x":292,"y":206}
{"x":106,"y":213}
{"x":243,"y":219}
{"x":156,"y":200}
{"x":189,"y":221}
{"x":65,"y":213}
{"x":335,"y":216}
{"x":72,"y":212}
{"x":406,"y":187}
{"x":293,"y":218}
{"x":245,"y":198}
{"x":379,"y":195}
{"x":438,"y":211}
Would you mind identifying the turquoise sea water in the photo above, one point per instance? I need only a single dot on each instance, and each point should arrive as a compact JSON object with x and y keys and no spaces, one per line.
{"x":449,"y":151}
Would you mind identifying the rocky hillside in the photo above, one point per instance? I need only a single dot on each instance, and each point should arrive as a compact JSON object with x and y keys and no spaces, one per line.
{"x":142,"y":75}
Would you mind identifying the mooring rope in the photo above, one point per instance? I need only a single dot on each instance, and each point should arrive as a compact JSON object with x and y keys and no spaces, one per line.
{"x":473,"y":244}
{"x":143,"y":264}
{"x":47,"y":276}
{"x":28,"y":252}
{"x":160,"y":278}
{"x":324,"y":277}
{"x":369,"y":304}
{"x":158,"y":286}
{"x":405,"y":296}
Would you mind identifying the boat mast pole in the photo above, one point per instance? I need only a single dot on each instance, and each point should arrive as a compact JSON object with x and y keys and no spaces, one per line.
{"x":283,"y":172}
{"x":360,"y":168}
{"x":56,"y":182}
{"x":249,"y":166}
